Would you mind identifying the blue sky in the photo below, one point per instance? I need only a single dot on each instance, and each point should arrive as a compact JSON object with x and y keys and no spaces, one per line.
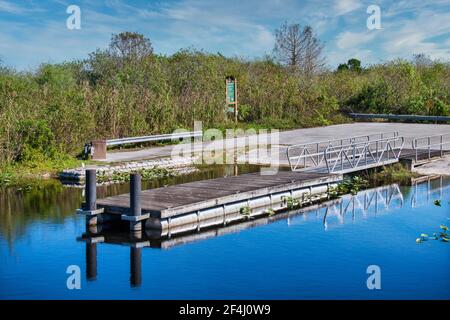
{"x":34,"y":31}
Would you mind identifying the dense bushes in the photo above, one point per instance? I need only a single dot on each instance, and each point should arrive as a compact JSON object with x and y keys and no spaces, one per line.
{"x":56,"y":109}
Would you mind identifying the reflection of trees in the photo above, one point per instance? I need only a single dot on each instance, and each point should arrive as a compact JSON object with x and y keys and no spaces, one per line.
{"x":49,"y":201}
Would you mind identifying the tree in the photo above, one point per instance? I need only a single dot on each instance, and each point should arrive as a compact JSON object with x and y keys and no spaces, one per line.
{"x":352,"y":65}
{"x":422,"y":60}
{"x":299,"y":48}
{"x":342,"y":67}
{"x":130,"y":46}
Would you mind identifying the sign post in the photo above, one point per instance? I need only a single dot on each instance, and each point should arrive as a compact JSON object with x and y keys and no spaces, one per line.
{"x":231,"y":96}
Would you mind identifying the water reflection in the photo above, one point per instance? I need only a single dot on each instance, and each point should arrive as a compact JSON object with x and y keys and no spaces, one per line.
{"x":365,"y":203}
{"x":51,"y":201}
{"x":423,"y":188}
{"x":334,"y":213}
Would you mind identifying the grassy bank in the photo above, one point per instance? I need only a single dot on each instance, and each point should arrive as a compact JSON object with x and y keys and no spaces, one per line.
{"x":32,"y":173}
{"x":48,"y":114}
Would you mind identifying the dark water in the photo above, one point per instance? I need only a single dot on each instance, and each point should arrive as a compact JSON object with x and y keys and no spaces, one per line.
{"x":312,"y":253}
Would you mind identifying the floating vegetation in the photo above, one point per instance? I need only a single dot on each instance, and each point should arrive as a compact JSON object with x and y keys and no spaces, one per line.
{"x":437,"y":203}
{"x":443,"y":235}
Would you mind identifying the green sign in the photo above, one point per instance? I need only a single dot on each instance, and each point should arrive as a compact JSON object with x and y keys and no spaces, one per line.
{"x":231,"y":92}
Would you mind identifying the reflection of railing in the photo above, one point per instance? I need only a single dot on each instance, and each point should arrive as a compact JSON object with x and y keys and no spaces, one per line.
{"x":430,"y":145}
{"x":438,"y":182}
{"x":305,"y":155}
{"x":349,"y":157}
{"x":365,"y":201}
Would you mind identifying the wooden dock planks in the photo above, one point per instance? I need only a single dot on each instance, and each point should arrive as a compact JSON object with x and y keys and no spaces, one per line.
{"x":179,"y":199}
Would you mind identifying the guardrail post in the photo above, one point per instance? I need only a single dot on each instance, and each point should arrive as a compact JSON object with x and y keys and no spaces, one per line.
{"x":99,"y":149}
{"x":135,"y":201}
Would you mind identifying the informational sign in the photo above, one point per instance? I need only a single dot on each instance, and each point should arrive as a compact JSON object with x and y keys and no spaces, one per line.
{"x":231,"y":92}
{"x":231,"y":96}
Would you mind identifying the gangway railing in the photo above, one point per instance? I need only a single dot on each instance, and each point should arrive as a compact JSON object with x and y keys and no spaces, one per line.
{"x":358,"y":156}
{"x":431,"y":146}
{"x":302,"y":156}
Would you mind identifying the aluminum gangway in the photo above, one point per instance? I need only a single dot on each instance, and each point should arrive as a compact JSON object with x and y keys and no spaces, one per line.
{"x":347,"y":154}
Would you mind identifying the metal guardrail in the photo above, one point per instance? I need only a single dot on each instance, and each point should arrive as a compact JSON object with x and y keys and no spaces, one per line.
{"x":409,"y":117}
{"x":301,"y":156}
{"x":428,"y":144}
{"x":154,"y":138}
{"x":361,"y":155}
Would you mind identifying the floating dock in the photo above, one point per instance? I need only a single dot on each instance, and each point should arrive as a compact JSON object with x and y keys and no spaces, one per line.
{"x":216,"y":202}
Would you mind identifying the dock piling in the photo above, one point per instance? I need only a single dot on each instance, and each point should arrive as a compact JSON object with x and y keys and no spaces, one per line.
{"x":135,"y":201}
{"x":91,"y":196}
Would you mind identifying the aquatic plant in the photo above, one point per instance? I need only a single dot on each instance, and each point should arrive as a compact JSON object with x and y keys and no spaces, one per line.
{"x":443,"y":235}
{"x":437,"y":203}
{"x":246,"y":211}
{"x":353,"y":186}
{"x":291,"y":202}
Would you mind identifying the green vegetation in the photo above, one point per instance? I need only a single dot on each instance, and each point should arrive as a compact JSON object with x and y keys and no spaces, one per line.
{"x":395,"y":173}
{"x":31,"y":173}
{"x":245,"y":211}
{"x":146,"y":174}
{"x":48,"y":114}
{"x":352,"y":185}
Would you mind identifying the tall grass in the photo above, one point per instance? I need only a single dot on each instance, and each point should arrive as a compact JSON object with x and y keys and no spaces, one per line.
{"x":54,"y":110}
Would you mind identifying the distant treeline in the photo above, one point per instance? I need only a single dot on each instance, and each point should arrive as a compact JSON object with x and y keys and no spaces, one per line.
{"x":57,"y":108}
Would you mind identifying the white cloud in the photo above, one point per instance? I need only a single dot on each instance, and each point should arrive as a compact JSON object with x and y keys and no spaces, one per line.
{"x":342,"y":7}
{"x":347,"y":39}
{"x":419,"y":35}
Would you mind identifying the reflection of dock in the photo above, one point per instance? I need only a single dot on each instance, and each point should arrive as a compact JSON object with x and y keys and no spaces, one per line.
{"x":366,"y":204}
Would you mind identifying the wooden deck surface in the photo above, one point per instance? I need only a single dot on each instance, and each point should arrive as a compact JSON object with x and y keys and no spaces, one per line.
{"x":176,"y":199}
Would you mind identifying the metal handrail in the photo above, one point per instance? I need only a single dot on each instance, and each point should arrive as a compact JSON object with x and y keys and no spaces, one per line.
{"x":429,"y":145}
{"x":313,"y":151}
{"x":376,"y":151}
{"x":160,"y":137}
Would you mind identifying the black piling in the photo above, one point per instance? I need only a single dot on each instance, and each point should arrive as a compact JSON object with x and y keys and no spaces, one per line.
{"x":91,"y":196}
{"x":91,"y":189}
{"x":135,"y":200}
{"x":135,"y":194}
{"x":135,"y":266}
{"x":91,"y":261}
